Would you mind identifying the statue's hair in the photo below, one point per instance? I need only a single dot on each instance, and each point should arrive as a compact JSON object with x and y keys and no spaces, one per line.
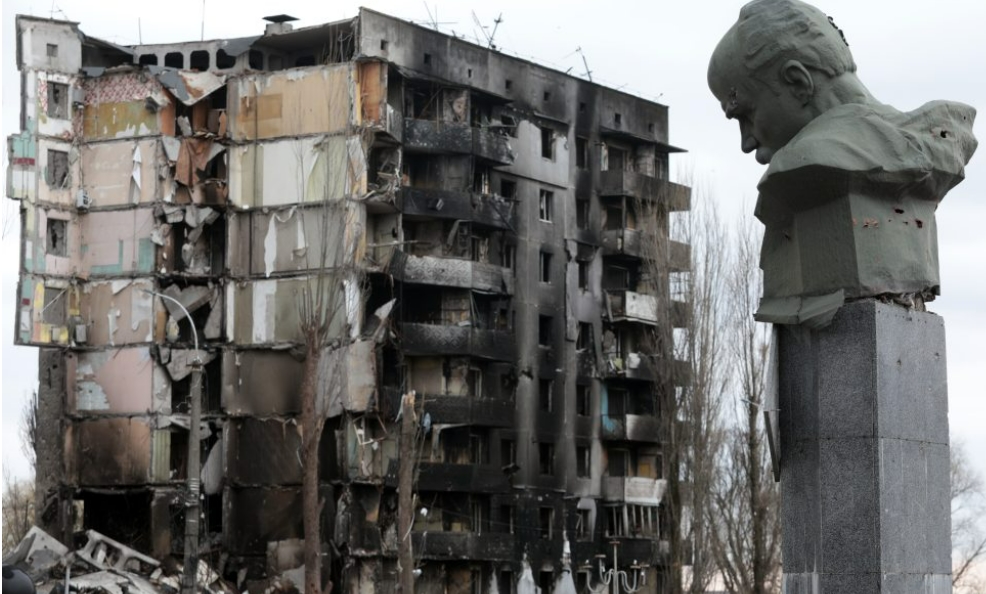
{"x":772,"y":30}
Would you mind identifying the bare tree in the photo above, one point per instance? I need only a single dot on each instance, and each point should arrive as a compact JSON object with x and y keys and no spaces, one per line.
{"x":18,"y":509}
{"x":747,"y":539}
{"x":968,"y":508}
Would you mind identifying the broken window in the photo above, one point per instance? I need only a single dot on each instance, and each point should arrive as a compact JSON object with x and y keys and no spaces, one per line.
{"x":582,"y":213}
{"x":547,"y":95}
{"x":583,"y":462}
{"x":583,"y":400}
{"x":617,"y":119}
{"x":545,"y":395}
{"x":616,"y":159}
{"x":544,"y":331}
{"x":509,"y":84}
{"x":57,"y":239}
{"x":55,"y":306}
{"x":174,"y":60}
{"x":546,"y":578}
{"x":584,"y":339}
{"x":481,"y":179}
{"x":583,"y":267}
{"x":505,"y":583}
{"x":57,"y":169}
{"x":509,"y":256}
{"x":546,"y":458}
{"x":545,"y":199}
{"x":478,"y":451}
{"x":581,"y":152}
{"x":507,"y":519}
{"x":508,"y":188}
{"x":427,"y":59}
{"x":548,"y":143}
{"x":583,"y":529}
{"x":545,"y":267}
{"x":224,"y":61}
{"x":622,"y":462}
{"x":51,"y":50}
{"x":199,"y":60}
{"x":475,"y":379}
{"x":508,"y":452}
{"x":57,"y":100}
{"x":509,"y":124}
{"x":618,"y":402}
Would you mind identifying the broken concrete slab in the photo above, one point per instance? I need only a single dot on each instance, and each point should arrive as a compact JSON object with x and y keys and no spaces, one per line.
{"x":181,"y":363}
{"x":191,"y":298}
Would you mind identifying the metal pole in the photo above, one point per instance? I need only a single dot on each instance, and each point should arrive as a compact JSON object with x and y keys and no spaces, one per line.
{"x":192,"y":507}
{"x":405,"y":495}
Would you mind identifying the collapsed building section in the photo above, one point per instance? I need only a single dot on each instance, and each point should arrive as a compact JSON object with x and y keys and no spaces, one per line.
{"x":495,"y":236}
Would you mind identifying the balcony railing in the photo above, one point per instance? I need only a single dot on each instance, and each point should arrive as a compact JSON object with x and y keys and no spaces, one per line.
{"x":645,"y":187}
{"x":491,"y":546}
{"x":634,"y":489}
{"x":630,"y":365}
{"x":477,"y":478}
{"x":434,"y":339}
{"x":643,"y":428}
{"x":452,"y":272}
{"x":490,"y":210}
{"x":632,"y":307}
{"x":469,"y":410}
{"x":430,"y":136}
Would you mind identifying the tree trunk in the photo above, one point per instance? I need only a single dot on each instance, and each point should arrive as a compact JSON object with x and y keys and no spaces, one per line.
{"x":311,"y":431}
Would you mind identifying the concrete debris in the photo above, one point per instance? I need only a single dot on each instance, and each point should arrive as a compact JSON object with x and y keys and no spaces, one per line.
{"x":37,"y":550}
{"x":103,"y":552}
{"x":191,"y":298}
{"x":180,"y":364}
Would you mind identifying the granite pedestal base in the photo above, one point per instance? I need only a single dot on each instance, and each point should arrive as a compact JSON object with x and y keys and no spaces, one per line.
{"x":864,"y":455}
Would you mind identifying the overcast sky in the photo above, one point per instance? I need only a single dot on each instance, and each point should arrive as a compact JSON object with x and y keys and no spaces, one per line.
{"x":908,"y":51}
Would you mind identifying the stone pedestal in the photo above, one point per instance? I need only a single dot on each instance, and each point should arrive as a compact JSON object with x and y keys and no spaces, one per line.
{"x":864,"y":453}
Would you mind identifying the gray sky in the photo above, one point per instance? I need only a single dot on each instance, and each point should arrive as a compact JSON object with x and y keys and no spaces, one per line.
{"x":908,"y":51}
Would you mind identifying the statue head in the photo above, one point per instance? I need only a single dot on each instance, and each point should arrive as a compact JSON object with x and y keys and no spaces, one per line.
{"x":781,"y":65}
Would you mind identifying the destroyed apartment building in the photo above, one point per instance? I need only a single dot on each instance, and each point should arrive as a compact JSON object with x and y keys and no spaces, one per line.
{"x":504,"y":232}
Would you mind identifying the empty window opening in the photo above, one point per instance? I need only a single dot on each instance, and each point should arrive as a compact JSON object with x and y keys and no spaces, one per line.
{"x":55,"y":306}
{"x":547,"y":143}
{"x":583,"y":462}
{"x":384,"y":44}
{"x":622,"y":462}
{"x":507,"y":519}
{"x":617,"y":159}
{"x":510,"y":257}
{"x":57,"y":100}
{"x":547,"y":95}
{"x":478,"y":451}
{"x":545,"y":395}
{"x":199,"y":60}
{"x":584,"y":340}
{"x":181,"y":390}
{"x":508,"y":188}
{"x":178,"y":457}
{"x":581,"y":152}
{"x":582,"y":107}
{"x":583,"y":266}
{"x":582,"y":213}
{"x":305,"y":60}
{"x":57,"y":244}
{"x":508,"y":452}
{"x":224,"y":61}
{"x":275,"y":63}
{"x":52,"y":50}
{"x":255,"y":59}
{"x":545,"y":206}
{"x":124,"y":517}
{"x":582,"y":400}
{"x":506,"y":584}
{"x":617,"y":118}
{"x":427,"y":59}
{"x":545,"y":267}
{"x":544,"y":331}
{"x":650,"y":127}
{"x":509,"y":84}
{"x":174,"y":60}
{"x":57,"y":169}
{"x":546,"y":578}
{"x":546,"y":455}
{"x":469,"y":72}
{"x":147,"y":60}
{"x":509,"y":124}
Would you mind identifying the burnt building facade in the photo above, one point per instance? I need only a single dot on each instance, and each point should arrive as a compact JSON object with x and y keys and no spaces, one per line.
{"x":498,"y":236}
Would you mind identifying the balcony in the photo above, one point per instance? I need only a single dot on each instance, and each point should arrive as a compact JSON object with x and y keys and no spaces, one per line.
{"x":634,"y":489}
{"x":467,"y":410}
{"x":452,"y":272}
{"x":628,"y":306}
{"x":450,"y":546}
{"x":429,"y":136}
{"x":434,"y":339}
{"x":644,"y":187}
{"x":470,"y":478}
{"x":630,"y":366}
{"x":643,"y":428}
{"x":490,"y":210}
{"x":622,"y":242}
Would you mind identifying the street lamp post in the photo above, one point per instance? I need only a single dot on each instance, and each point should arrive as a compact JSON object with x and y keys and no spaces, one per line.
{"x":192,"y":506}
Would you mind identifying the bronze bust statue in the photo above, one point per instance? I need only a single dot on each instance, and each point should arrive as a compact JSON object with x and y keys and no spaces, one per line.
{"x":849,"y":196}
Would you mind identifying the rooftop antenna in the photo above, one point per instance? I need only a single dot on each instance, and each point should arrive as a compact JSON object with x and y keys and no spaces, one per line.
{"x":140,"y":34}
{"x":588,"y":73}
{"x":489,"y":36}
{"x":433,"y":18}
{"x":496,"y":25}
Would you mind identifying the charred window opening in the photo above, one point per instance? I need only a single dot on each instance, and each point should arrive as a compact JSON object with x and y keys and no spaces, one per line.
{"x":181,"y":390}
{"x":583,"y":266}
{"x":661,"y":166}
{"x":57,"y":237}
{"x":481,"y":179}
{"x":633,"y":521}
{"x":618,"y":278}
{"x":582,"y":106}
{"x":427,"y":59}
{"x":124,"y":516}
{"x":545,"y":395}
{"x":622,"y":462}
{"x":55,"y":306}
{"x":583,"y":395}
{"x":546,"y":459}
{"x":508,"y":453}
{"x":506,"y":522}
{"x":617,"y":119}
{"x":509,"y":84}
{"x":547,"y":96}
{"x":480,"y":112}
{"x":147,"y":60}
{"x":582,"y":213}
{"x":545,"y":205}
{"x":200,"y":249}
{"x":305,"y":60}
{"x":581,"y":152}
{"x":505,"y":583}
{"x":545,"y":337}
{"x":57,"y":169}
{"x":584,"y":339}
{"x":583,"y":531}
{"x":224,"y":61}
{"x":509,"y":125}
{"x":384,"y":44}
{"x":255,"y":60}
{"x":546,"y":520}
{"x":174,"y":60}
{"x":479,"y":447}
{"x":508,"y":188}
{"x":545,"y":267}
{"x":509,"y":257}
{"x":51,"y":50}
{"x":199,"y":60}
{"x":421,"y":101}
{"x":178,"y":458}
{"x":618,"y":402}
{"x":57,"y":100}
{"x":582,"y":577}
{"x":650,"y":127}
{"x":548,"y":143}
{"x":583,"y":462}
{"x":275,"y":62}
